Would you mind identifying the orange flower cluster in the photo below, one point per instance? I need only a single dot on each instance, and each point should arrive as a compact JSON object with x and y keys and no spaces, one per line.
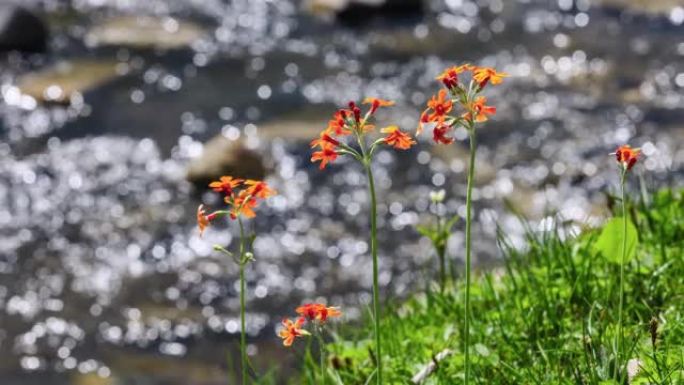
{"x":627,"y":156}
{"x":241,"y":203}
{"x":313,"y":312}
{"x":437,"y":114}
{"x":351,"y":121}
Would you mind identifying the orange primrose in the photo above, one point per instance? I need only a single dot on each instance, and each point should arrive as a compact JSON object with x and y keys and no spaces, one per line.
{"x":318,"y":312}
{"x":481,"y":110}
{"x":484,"y":75}
{"x":325,"y":140}
{"x":203,"y":219}
{"x":397,"y":138}
{"x":450,"y":75}
{"x":325,"y":155}
{"x":292,"y":330}
{"x":258,"y":189}
{"x":376,"y":103}
{"x":439,"y":134}
{"x":242,"y":205}
{"x":627,"y":156}
{"x":225,"y":184}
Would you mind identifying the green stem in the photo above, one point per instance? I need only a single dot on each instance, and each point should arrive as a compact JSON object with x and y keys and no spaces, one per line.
{"x":321,"y":347}
{"x":468,"y":240}
{"x":374,"y":252}
{"x":243,"y":331}
{"x":620,"y":334}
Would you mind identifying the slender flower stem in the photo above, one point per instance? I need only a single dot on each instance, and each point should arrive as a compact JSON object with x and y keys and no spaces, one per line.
{"x":468,"y":240}
{"x":620,"y":334}
{"x":243,"y":331}
{"x":321,"y":347}
{"x":374,"y":252}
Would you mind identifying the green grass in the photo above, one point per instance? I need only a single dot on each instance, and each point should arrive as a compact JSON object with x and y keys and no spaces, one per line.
{"x":548,"y":317}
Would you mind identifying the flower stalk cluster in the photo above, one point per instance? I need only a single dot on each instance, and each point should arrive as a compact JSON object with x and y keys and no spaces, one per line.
{"x":316,"y":315}
{"x":459,"y":105}
{"x":348,"y":133}
{"x":241,"y":198}
{"x":442,"y":117}
{"x":626,"y":157}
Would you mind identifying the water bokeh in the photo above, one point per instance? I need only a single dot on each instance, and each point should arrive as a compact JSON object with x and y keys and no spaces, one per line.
{"x":102,"y":271}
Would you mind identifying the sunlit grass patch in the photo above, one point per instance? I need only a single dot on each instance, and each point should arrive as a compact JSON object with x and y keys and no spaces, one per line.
{"x":548,"y":316}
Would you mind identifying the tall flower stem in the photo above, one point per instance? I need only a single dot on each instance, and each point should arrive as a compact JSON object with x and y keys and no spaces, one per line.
{"x":321,"y":347}
{"x":620,"y":334}
{"x":374,"y":253}
{"x":468,"y":240}
{"x":243,"y":331}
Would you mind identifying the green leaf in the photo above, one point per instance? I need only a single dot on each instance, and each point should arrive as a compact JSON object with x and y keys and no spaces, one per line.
{"x":609,"y":243}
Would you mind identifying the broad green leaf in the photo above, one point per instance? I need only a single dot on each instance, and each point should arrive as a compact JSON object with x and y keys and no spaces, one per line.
{"x":609,"y":243}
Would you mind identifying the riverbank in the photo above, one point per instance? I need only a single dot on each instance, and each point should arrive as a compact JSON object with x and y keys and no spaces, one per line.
{"x":548,"y":317}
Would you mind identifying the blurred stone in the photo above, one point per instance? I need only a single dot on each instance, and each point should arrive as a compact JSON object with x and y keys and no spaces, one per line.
{"x":356,"y":12}
{"x":145,"y":32}
{"x":58,"y":83}
{"x":222,"y":156}
{"x":660,"y":7}
{"x":21,"y":30}
{"x":303,"y":124}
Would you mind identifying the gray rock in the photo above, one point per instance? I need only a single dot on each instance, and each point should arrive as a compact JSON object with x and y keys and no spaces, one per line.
{"x":145,"y":32}
{"x":21,"y":30}
{"x":222,"y":156}
{"x":358,"y":12}
{"x":59,"y":82}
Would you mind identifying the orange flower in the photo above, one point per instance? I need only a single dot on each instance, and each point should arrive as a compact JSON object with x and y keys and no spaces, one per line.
{"x":258,"y":189}
{"x":376,"y":103}
{"x":337,"y":125}
{"x":480,"y":109}
{"x":243,"y":204}
{"x":225,"y":184}
{"x":324,"y":141}
{"x":325,"y":155}
{"x":439,"y":134}
{"x":440,"y":106}
{"x":627,"y":156}
{"x":450,"y":75}
{"x":318,"y":312}
{"x":484,"y":75}
{"x":203,"y":219}
{"x":396,"y":138}
{"x":292,"y":330}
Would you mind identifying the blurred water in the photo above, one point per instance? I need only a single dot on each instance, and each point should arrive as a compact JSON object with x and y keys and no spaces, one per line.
{"x":102,"y":274}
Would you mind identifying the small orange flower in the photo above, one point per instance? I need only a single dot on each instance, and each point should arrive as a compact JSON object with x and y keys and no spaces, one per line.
{"x":242,"y":205}
{"x":450,"y":75}
{"x":337,"y":125}
{"x":439,"y":134}
{"x":480,"y":109}
{"x":325,"y":155}
{"x":225,"y":184}
{"x":397,"y":138}
{"x":292,"y":330}
{"x":318,"y":312}
{"x":484,"y":75}
{"x":627,"y":156}
{"x":258,"y":189}
{"x":376,"y":103}
{"x":203,"y":219}
{"x":325,"y":140}
{"x":440,"y":106}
